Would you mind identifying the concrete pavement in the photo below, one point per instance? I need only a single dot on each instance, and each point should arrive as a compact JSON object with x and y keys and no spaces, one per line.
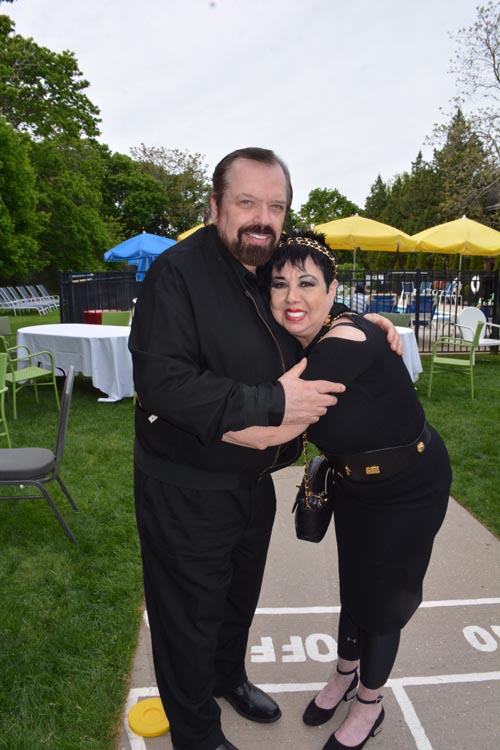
{"x":444,"y":692}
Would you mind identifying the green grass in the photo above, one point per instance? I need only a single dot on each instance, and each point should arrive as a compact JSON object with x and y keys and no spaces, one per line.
{"x":70,"y":614}
{"x":471,"y":430}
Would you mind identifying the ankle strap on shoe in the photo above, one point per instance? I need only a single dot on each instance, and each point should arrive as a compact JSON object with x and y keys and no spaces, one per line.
{"x":351,"y":671}
{"x":369,"y":703}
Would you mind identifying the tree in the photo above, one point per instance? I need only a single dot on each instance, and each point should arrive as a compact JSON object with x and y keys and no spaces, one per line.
{"x":19,"y":221}
{"x":42,"y":92}
{"x":325,"y":205}
{"x":377,"y":200}
{"x":465,"y":170}
{"x":69,"y":179}
{"x":477,"y":67}
{"x":132,"y":197}
{"x":184,"y":182}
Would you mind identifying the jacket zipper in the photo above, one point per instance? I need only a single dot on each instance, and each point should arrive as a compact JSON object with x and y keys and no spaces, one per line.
{"x":283,"y":367}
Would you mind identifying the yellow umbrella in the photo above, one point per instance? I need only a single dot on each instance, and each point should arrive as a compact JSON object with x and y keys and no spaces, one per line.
{"x":185,"y":234}
{"x":463,"y":236}
{"x":358,"y":233}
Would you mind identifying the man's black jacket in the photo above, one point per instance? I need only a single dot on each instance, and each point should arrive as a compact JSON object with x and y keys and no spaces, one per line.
{"x":206,"y":357}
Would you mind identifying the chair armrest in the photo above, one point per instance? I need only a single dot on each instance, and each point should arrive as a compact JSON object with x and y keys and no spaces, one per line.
{"x":492,"y":325}
{"x":32,"y":355}
{"x":16,"y":348}
{"x":450,"y":340}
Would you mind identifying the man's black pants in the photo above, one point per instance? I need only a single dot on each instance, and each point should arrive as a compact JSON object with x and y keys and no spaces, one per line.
{"x":203,"y":554}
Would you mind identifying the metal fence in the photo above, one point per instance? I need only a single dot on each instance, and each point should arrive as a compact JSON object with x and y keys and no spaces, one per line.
{"x":432,"y":299}
{"x":82,"y":296}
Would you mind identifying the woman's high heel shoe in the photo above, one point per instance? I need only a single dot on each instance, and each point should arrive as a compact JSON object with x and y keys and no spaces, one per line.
{"x":334,"y":744}
{"x":314,"y":715}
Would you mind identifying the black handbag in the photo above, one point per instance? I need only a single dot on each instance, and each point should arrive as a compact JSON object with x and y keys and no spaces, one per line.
{"x":313,"y":504}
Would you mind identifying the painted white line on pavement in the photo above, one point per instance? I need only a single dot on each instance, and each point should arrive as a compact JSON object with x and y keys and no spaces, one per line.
{"x":334,"y":610}
{"x":397,"y":685}
{"x":327,"y":610}
{"x":136,"y":742}
{"x":461,"y":602}
{"x":440,"y":679}
{"x":410,"y":716}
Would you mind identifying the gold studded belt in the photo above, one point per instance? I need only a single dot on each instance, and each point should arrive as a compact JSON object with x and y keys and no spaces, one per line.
{"x":381,"y":464}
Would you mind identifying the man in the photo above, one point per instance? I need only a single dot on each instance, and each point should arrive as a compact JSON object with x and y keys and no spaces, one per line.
{"x":208,"y":359}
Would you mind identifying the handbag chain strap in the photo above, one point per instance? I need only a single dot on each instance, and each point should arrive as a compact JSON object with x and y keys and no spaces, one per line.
{"x":307,"y":486}
{"x":306,"y":472}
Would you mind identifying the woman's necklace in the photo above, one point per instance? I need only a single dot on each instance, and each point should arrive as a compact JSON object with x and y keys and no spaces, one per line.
{"x":327,"y":325}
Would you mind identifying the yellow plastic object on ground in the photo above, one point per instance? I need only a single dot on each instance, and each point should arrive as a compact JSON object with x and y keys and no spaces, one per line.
{"x":148,"y":719}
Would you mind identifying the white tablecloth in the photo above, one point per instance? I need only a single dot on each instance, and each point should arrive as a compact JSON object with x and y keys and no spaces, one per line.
{"x":411,"y":355}
{"x":99,"y":352}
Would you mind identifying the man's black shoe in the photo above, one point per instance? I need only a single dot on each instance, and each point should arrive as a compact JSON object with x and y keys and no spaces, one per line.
{"x":253,"y":703}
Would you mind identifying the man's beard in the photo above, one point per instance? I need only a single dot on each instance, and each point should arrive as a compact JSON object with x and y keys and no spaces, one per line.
{"x":248,"y":253}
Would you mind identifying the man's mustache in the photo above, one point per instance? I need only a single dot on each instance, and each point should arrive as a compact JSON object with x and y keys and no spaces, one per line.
{"x":257,"y":229}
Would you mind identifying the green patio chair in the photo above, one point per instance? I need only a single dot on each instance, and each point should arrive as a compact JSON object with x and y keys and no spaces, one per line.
{"x":4,"y":429}
{"x":463,"y":362}
{"x":22,"y":371}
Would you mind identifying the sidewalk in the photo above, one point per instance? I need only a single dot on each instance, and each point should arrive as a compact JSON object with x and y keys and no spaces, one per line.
{"x":444,"y":692}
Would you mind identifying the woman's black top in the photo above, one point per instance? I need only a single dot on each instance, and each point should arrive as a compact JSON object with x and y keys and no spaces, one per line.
{"x":385,"y":529}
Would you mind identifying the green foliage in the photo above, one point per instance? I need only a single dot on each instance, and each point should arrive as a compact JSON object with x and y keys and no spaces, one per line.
{"x":20,"y":224}
{"x":184,"y":183}
{"x":464,"y":167}
{"x":132,"y":198}
{"x":42,"y":92}
{"x":324,"y":205}
{"x":69,"y":179}
{"x":377,"y":200}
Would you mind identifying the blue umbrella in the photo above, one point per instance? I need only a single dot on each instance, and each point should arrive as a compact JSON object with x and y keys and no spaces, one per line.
{"x":143,"y":245}
{"x":139,"y":251}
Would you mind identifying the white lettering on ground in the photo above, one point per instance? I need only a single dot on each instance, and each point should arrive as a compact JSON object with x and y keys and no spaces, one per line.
{"x":479,"y":638}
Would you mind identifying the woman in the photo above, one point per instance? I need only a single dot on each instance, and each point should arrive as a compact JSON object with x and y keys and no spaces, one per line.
{"x":392,"y":480}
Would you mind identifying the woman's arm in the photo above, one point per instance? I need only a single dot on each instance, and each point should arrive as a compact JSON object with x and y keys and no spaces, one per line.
{"x":261,"y":438}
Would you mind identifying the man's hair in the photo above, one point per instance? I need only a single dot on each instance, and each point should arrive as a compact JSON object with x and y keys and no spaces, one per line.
{"x":263,"y":155}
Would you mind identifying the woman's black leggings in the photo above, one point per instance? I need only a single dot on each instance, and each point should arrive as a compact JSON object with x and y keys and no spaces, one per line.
{"x":376,"y":652}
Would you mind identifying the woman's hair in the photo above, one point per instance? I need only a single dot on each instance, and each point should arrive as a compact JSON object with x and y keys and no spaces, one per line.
{"x":295,"y":247}
{"x":360,"y":289}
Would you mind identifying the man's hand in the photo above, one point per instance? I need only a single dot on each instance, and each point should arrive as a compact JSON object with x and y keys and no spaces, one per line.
{"x":393,"y":337}
{"x":306,"y":400}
